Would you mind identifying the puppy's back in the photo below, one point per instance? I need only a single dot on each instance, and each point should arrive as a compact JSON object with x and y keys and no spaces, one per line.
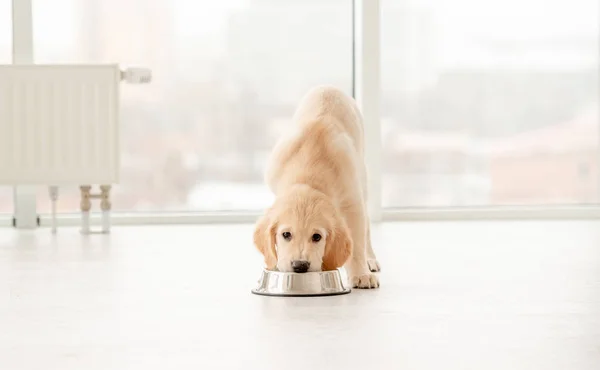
{"x":324,"y":147}
{"x":334,"y":105}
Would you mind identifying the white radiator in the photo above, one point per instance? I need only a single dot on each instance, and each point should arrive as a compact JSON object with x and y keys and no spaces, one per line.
{"x":59,"y":125}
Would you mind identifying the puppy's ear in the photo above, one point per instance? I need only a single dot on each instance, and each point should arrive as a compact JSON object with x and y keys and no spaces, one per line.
{"x":264,"y":238}
{"x":338,"y":246}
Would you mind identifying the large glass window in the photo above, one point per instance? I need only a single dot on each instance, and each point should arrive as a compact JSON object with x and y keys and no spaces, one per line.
{"x":490,"y":103}
{"x":227,"y":77}
{"x":5,"y":31}
{"x":6,"y":192}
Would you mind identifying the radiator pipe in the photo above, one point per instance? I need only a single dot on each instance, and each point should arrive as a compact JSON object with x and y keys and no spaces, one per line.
{"x":53,"y":191}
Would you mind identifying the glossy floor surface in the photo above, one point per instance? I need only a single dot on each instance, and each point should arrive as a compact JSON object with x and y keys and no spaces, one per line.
{"x":471,"y":295}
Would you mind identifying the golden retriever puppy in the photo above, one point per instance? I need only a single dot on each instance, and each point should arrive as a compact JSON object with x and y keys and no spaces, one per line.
{"x":319,"y":218}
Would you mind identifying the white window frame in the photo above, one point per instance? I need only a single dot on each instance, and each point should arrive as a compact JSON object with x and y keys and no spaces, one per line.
{"x":24,"y":199}
{"x":367,"y":91}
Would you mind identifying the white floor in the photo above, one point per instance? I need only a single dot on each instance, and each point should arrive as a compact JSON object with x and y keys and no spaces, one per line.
{"x":479,"y":295}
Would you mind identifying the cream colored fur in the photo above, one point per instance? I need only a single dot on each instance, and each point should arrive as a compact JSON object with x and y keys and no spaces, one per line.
{"x":318,"y":176}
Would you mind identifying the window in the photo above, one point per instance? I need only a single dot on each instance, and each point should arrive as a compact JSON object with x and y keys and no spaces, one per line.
{"x":490,"y":103}
{"x":6,"y":192}
{"x":5,"y":31}
{"x":227,"y":76}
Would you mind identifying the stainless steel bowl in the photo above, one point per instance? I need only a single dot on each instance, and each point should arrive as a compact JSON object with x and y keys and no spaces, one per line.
{"x":308,"y":284}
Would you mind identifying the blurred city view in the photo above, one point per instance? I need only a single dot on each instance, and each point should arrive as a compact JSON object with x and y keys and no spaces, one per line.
{"x":483,"y":103}
{"x":490,"y":103}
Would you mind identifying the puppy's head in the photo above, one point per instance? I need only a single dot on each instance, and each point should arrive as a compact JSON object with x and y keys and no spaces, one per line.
{"x":303,"y":231}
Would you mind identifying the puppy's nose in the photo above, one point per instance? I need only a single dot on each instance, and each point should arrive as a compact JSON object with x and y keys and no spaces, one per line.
{"x":300,"y":266}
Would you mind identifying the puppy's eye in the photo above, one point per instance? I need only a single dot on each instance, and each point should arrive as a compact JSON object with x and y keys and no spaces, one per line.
{"x":287,"y":235}
{"x":316,"y":237}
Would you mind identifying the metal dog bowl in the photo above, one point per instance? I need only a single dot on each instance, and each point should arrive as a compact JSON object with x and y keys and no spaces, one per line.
{"x":307,"y":284}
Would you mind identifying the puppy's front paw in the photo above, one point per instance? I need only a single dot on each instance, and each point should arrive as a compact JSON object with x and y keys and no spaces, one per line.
{"x":373,"y":265}
{"x":366,"y":281}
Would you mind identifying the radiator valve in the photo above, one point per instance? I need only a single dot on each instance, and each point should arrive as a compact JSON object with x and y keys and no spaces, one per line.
{"x":136,"y":75}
